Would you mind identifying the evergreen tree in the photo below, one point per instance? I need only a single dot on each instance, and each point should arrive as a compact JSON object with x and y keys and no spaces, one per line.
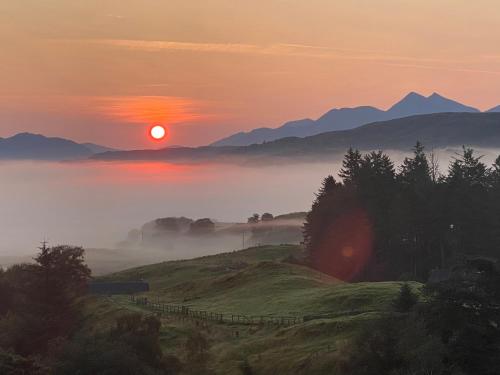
{"x":406,"y":299}
{"x":316,"y":217}
{"x":376,"y":190}
{"x":468,"y":210}
{"x":413,"y":215}
{"x":415,"y":222}
{"x":416,"y":171}
{"x":351,"y":166}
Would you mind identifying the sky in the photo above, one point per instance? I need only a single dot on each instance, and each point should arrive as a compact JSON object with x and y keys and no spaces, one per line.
{"x":103,"y":71}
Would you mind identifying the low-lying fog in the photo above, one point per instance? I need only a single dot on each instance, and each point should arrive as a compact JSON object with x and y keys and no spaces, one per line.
{"x":95,"y":204}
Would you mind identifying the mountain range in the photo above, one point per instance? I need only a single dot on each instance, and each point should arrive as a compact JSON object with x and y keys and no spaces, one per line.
{"x":439,"y":130}
{"x":38,"y":147}
{"x":349,"y":118}
{"x":413,"y":118}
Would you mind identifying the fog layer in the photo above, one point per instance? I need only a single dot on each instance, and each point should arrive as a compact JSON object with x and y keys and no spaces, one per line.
{"x":95,"y":204}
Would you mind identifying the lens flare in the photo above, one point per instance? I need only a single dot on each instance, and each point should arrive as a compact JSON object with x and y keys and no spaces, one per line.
{"x":346,"y":247}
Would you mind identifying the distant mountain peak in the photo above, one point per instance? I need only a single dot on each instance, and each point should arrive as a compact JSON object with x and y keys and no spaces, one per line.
{"x":409,"y":100}
{"x":413,"y":95}
{"x":435,"y":95}
{"x":27,"y":135}
{"x":411,"y":104}
{"x":417,"y":104}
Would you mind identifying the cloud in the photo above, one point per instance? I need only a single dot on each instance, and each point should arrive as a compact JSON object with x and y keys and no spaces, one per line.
{"x":446,"y":68}
{"x":305,"y":50}
{"x":151,"y":109}
{"x":277,"y":49}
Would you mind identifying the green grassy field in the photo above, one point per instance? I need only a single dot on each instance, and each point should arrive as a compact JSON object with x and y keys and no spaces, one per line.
{"x":256,"y":281}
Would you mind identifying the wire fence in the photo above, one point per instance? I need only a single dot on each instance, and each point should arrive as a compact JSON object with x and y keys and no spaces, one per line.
{"x":188,"y":312}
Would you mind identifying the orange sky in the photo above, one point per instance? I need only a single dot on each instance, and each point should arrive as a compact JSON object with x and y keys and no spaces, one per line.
{"x":103,"y":70}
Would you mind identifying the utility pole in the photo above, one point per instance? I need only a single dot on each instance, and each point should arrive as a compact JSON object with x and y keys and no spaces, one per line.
{"x":42,"y":260}
{"x":243,"y":239}
{"x":43,"y":244}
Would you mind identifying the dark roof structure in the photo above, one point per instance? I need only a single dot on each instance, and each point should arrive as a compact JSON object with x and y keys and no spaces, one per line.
{"x":109,"y":288}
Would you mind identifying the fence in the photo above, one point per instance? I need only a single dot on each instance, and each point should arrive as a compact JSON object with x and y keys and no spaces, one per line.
{"x":188,"y":312}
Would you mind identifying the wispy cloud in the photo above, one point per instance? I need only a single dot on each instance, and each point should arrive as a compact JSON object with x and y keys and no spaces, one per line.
{"x":463,"y":64}
{"x":278,"y":49}
{"x":151,"y":109}
{"x":446,"y":68}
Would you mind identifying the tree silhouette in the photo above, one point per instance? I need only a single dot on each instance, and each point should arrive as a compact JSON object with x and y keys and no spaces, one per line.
{"x":415,"y":221}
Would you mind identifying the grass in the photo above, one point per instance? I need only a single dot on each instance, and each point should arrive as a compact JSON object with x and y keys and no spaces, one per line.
{"x":257,"y":281}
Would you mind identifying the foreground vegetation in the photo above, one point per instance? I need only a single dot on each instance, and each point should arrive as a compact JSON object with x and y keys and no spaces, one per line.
{"x":345,"y":328}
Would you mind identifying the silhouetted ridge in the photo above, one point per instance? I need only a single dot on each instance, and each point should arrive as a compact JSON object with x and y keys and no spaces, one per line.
{"x":438,"y":130}
{"x":38,"y":147}
{"x":348,"y":118}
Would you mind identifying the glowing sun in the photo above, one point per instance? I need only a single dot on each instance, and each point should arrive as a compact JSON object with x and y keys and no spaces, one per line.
{"x":157,"y":132}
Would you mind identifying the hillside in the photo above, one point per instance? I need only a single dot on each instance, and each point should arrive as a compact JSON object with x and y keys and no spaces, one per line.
{"x":439,"y":130}
{"x":256,"y":281}
{"x":348,"y":118}
{"x":27,"y":146}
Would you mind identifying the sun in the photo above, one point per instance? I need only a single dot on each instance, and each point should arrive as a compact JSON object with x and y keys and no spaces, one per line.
{"x":157,"y":132}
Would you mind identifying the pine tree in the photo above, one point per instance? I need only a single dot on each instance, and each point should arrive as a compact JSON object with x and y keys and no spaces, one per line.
{"x":315,"y":219}
{"x":416,"y":171}
{"x":414,"y":216}
{"x":406,"y":299}
{"x":468,"y":209}
{"x":351,"y":166}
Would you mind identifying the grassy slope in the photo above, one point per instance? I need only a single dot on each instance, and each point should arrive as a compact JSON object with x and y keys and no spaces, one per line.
{"x":256,"y":282}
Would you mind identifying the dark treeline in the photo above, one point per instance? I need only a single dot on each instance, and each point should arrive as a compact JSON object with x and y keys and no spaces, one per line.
{"x":381,"y":222}
{"x":43,"y":328}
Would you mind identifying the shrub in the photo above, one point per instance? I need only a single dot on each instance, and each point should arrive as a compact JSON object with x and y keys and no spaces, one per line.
{"x":406,"y":299}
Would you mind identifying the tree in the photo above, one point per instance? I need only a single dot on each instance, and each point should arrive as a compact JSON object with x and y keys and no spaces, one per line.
{"x":414,"y":210}
{"x":267,"y":216}
{"x":394,"y":345}
{"x":466,"y":168}
{"x":254,"y":219}
{"x":351,"y":166}
{"x":43,"y":295}
{"x":5,"y":294}
{"x":317,"y":216}
{"x":375,"y":190}
{"x":468,"y":206}
{"x":416,"y":171}
{"x":131,"y":347}
{"x":406,"y":299}
{"x":202,"y":226}
{"x":464,"y":312}
{"x":374,"y":351}
{"x":140,"y":333}
{"x":412,"y":221}
{"x":63,"y":274}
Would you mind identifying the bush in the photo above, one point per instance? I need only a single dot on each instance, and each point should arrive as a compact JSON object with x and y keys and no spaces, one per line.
{"x":245,"y":368}
{"x":406,"y":299}
{"x":131,"y":348}
{"x":13,"y":364}
{"x":391,"y":346}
